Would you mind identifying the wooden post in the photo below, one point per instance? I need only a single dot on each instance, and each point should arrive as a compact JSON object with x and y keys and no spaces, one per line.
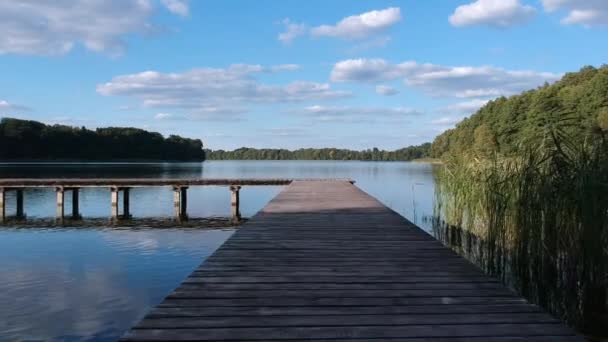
{"x":75,"y":204}
{"x":114,"y":202}
{"x":60,"y":204}
{"x":126,"y":211}
{"x":2,"y":205}
{"x":20,"y":212}
{"x":180,"y":202}
{"x":235,"y":203}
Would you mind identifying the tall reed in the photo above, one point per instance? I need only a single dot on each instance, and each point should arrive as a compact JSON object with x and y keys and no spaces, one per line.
{"x":541,"y":219}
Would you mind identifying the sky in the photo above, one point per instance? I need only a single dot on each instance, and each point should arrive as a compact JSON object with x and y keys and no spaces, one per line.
{"x":286,"y":73}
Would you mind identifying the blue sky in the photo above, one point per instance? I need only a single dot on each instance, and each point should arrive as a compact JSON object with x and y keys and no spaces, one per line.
{"x":286,"y":73}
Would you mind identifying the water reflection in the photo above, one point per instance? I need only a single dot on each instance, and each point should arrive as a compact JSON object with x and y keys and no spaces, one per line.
{"x":91,"y":284}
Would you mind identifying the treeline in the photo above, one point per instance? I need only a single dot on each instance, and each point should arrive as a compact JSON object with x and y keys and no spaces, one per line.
{"x":32,"y":140}
{"x":404,"y":154}
{"x":577,"y":104}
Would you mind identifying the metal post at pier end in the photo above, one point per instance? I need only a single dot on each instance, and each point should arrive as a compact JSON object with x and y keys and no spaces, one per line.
{"x":20,"y":211}
{"x":75,"y":204}
{"x":114,"y":203}
{"x":60,"y":191}
{"x":2,"y":205}
{"x":235,"y":203}
{"x":180,"y":203}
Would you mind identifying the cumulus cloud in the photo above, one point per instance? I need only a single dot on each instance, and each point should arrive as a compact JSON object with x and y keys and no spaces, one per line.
{"x":214,"y":92}
{"x":179,"y":7}
{"x":386,"y":90}
{"x":357,"y":114}
{"x":360,"y":26}
{"x":439,"y":80}
{"x":497,"y":13}
{"x":587,"y":13}
{"x":354,"y":27}
{"x":54,"y":27}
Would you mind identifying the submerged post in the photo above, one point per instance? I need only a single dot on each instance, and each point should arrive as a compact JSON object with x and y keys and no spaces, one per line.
{"x":20,"y":212}
{"x":114,"y":202}
{"x":180,"y":202}
{"x":75,"y":204}
{"x":235,"y":203}
{"x":60,"y":204}
{"x":2,"y":205}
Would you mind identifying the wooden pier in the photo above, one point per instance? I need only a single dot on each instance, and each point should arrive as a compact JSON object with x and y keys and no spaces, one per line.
{"x":120,"y":188}
{"x":324,"y":261}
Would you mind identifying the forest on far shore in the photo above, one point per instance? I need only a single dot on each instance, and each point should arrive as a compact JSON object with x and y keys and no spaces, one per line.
{"x":244,"y":153}
{"x":32,"y":140}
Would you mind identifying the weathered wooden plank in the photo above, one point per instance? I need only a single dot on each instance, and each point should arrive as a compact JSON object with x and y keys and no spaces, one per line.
{"x":325,"y":261}
{"x":301,"y":286}
{"x":341,"y":301}
{"x":420,"y":331}
{"x":317,"y":320}
{"x":240,"y":311}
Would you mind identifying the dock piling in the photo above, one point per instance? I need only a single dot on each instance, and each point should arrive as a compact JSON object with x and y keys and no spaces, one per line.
{"x":2,"y":205}
{"x":126,"y":208}
{"x":75,"y":203}
{"x":20,"y":211}
{"x":60,"y":191}
{"x":180,"y":202}
{"x":114,"y":202}
{"x":235,"y":203}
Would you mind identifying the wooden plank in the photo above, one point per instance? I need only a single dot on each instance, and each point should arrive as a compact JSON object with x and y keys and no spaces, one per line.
{"x":241,"y":311}
{"x":322,"y":332}
{"x":325,"y":261}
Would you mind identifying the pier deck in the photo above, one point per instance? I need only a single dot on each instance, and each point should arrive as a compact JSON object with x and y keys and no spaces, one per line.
{"x":324,"y":261}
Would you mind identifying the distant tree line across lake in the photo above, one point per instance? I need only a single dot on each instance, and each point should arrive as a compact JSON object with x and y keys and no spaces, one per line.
{"x":375,"y":154}
{"x":32,"y":140}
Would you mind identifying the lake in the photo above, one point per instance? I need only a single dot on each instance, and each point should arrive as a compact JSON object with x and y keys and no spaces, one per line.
{"x":94,"y":283}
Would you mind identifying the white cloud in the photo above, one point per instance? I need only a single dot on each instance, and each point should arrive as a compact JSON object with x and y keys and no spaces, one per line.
{"x":356,"y":27}
{"x":292,"y":31}
{"x":54,"y":27}
{"x":386,"y":90}
{"x":358,"y":114}
{"x":7,"y":107}
{"x":360,"y":26}
{"x":438,"y":80}
{"x":467,"y":107}
{"x":213,"y":92}
{"x":369,"y":70}
{"x":205,"y":114}
{"x":179,"y":7}
{"x":498,"y":13}
{"x":447,"y":120}
{"x":587,"y":12}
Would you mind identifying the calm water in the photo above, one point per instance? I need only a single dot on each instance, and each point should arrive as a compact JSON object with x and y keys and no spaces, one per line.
{"x":92,"y":284}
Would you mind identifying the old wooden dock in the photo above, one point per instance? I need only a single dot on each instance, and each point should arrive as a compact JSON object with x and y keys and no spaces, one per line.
{"x":324,"y":261}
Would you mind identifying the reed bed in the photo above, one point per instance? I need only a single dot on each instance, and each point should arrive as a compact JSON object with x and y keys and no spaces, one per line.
{"x":537,"y":220}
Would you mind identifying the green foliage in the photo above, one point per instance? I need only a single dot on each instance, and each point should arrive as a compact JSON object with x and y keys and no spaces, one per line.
{"x":31,"y":140}
{"x":510,"y":123}
{"x":527,"y":177}
{"x":244,"y":153}
{"x":543,"y":219}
